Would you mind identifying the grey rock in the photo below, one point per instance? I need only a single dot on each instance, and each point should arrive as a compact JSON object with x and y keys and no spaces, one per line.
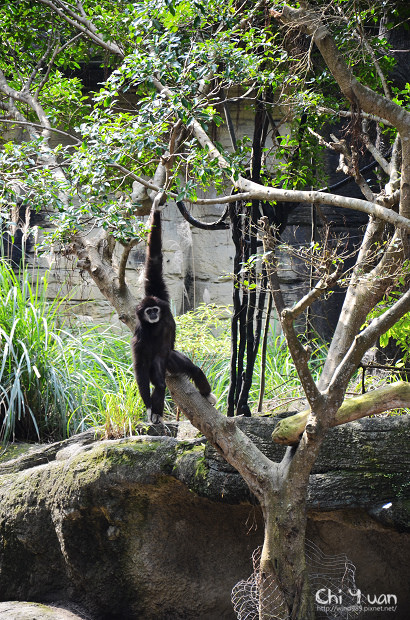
{"x":15,"y":610}
{"x":158,"y":528}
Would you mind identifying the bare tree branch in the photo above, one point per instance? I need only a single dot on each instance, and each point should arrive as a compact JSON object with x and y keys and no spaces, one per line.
{"x":84,"y":25}
{"x":365,"y":340}
{"x":395,"y":163}
{"x":392,"y":396}
{"x":28,"y":99}
{"x":299,"y":354}
{"x":324,"y":284}
{"x":123,"y":262}
{"x":349,"y":114}
{"x":56,"y":52}
{"x":257,"y":470}
{"x":39,"y":65}
{"x":375,"y":151}
{"x":38,"y":126}
{"x":105,"y":277}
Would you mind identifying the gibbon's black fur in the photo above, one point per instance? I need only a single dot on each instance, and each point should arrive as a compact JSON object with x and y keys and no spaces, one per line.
{"x":154,"y":338}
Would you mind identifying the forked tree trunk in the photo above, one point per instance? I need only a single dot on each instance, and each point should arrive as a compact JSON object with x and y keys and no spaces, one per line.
{"x":281,"y":489}
{"x":284,"y":579}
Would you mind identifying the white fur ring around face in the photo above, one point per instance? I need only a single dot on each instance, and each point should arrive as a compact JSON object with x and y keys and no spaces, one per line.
{"x":211,"y":398}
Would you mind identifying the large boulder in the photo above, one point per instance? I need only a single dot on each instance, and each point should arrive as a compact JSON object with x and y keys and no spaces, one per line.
{"x":159,"y":527}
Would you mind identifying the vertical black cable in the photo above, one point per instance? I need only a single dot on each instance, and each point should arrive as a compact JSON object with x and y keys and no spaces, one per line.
{"x":259,"y":136}
{"x":236,"y":297}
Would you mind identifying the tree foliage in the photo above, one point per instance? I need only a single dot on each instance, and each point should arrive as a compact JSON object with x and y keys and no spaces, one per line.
{"x":169,"y":64}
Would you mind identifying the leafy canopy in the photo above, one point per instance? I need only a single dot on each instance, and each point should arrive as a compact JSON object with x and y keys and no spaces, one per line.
{"x":204,"y":53}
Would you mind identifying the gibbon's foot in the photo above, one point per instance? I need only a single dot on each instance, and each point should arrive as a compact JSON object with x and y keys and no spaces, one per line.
{"x":211,"y":398}
{"x":154,"y":418}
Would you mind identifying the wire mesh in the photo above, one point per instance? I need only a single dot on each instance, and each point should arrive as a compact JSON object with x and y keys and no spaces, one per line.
{"x":332,"y":582}
{"x":246,"y":599}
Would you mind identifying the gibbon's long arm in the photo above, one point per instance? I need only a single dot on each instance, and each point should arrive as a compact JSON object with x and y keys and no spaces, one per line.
{"x":154,"y":280}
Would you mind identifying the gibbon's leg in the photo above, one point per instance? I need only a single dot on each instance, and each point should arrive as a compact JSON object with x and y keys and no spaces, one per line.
{"x":142,"y":378}
{"x":157,"y":376}
{"x":180,"y":364}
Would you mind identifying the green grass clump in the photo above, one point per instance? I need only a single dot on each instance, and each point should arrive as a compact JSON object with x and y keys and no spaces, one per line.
{"x":53,"y":382}
{"x":33,"y":395}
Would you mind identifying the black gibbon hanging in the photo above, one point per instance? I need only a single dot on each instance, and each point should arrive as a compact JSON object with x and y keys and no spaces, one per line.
{"x":154,"y":338}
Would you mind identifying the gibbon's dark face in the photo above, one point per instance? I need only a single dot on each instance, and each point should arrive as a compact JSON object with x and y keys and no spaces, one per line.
{"x":152,"y":314}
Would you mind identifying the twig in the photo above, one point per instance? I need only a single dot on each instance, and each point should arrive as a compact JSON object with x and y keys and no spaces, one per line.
{"x":51,"y":62}
{"x":321,"y":287}
{"x":38,"y":126}
{"x":123,"y":262}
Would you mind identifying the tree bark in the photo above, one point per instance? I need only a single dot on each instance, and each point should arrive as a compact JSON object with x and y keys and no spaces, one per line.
{"x":392,"y":396}
{"x":107,"y":280}
{"x":281,"y":490}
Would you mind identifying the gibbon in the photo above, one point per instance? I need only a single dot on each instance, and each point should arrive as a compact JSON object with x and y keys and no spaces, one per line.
{"x":154,"y":338}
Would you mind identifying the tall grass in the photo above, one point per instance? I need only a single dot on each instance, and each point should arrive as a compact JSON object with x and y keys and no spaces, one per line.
{"x":32,"y":393}
{"x":52,"y":381}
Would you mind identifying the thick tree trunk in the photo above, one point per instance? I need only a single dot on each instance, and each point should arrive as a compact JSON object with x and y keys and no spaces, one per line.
{"x":284,"y":584}
{"x":281,"y":489}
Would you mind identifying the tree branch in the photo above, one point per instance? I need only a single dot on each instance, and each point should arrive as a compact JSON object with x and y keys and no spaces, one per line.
{"x":324,"y":284}
{"x":299,"y":355}
{"x":106,"y":279}
{"x":365,"y":340}
{"x":392,"y":396}
{"x":358,"y":94}
{"x":57,"y":51}
{"x":39,"y":65}
{"x":270,"y":194}
{"x":258,"y":471}
{"x":367,"y":286}
{"x":84,"y":25}
{"x":349,"y":114}
{"x":361,"y":37}
{"x":123,"y":262}
{"x":38,"y":126}
{"x":310,"y":22}
{"x":28,"y":99}
{"x":383,"y":163}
